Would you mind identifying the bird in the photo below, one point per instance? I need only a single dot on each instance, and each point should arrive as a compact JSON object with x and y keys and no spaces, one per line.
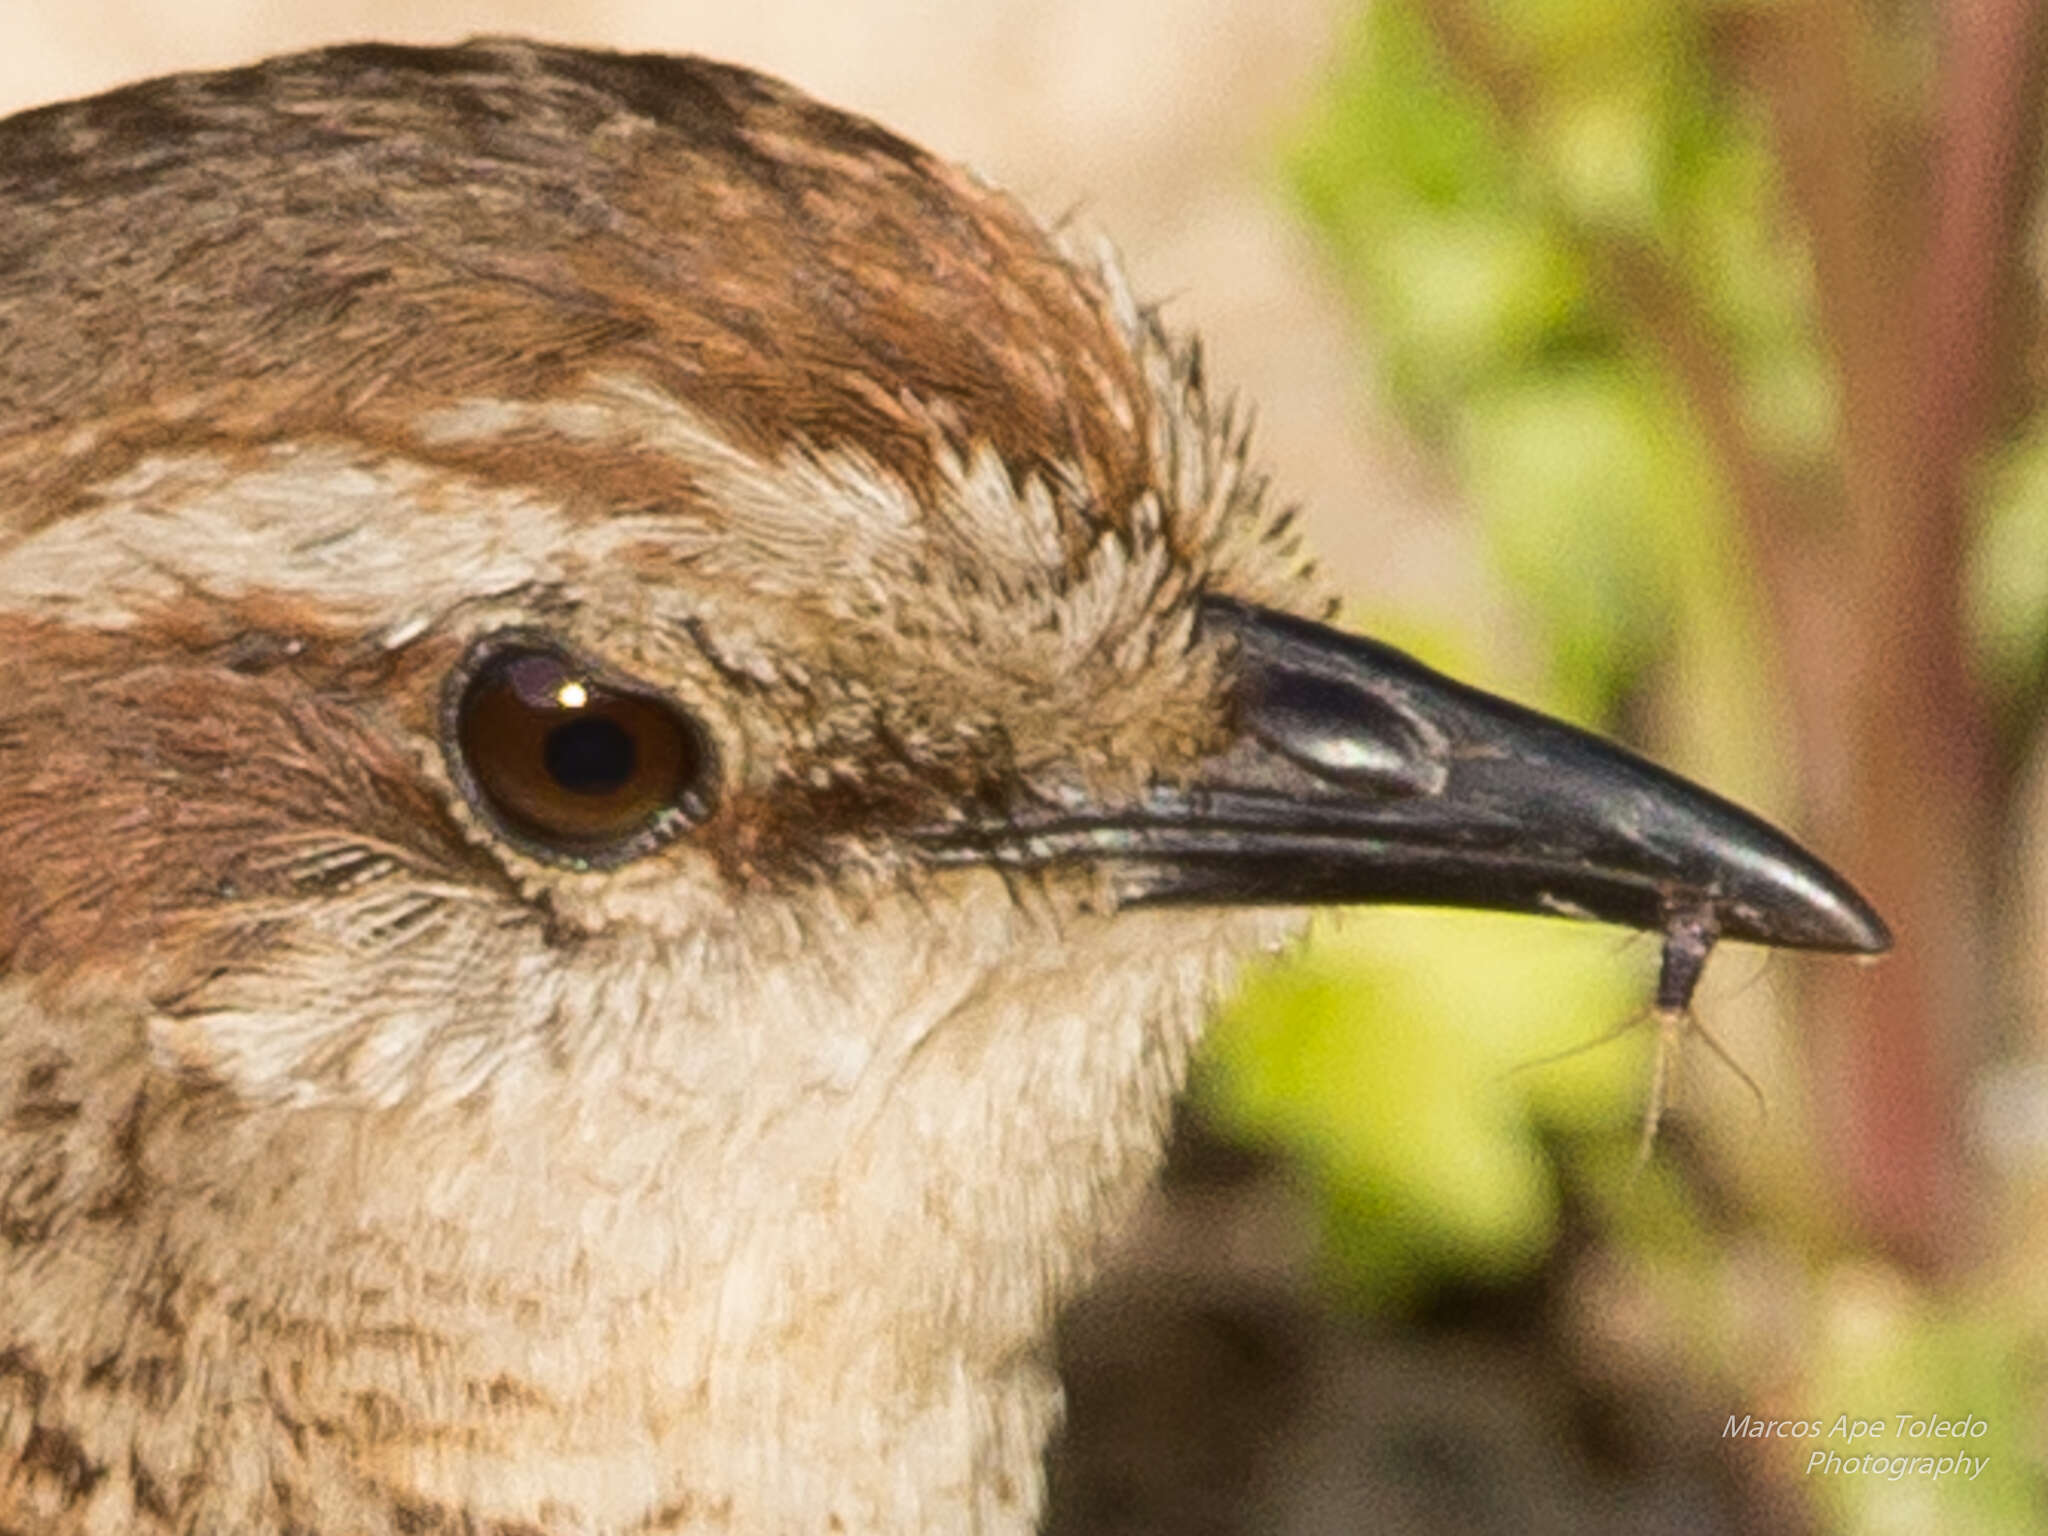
{"x":640,"y":725}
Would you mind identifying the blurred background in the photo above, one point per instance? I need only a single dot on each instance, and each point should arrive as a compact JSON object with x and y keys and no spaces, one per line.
{"x":1679,"y":368}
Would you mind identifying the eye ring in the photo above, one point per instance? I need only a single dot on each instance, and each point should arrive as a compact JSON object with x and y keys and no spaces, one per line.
{"x":568,"y":762}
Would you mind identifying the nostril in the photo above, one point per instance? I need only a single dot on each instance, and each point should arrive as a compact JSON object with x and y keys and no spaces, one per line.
{"x":1343,"y":734}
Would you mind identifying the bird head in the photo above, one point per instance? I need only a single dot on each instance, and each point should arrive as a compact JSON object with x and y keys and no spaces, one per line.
{"x":628,"y":695}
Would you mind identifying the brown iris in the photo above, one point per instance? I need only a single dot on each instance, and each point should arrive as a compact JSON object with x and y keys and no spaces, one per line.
{"x":574,"y":767}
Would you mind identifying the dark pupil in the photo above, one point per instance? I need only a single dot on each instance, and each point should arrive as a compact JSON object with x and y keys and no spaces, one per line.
{"x":590,"y":756}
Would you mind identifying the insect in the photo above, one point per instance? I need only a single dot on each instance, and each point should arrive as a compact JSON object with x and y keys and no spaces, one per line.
{"x":1690,"y":934}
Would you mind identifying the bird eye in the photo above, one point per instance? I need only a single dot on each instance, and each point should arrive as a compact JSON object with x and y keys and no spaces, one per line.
{"x":572,"y":767}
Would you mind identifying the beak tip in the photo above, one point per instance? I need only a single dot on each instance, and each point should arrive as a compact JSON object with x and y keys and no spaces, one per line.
{"x":1864,"y":931}
{"x":1833,"y":915}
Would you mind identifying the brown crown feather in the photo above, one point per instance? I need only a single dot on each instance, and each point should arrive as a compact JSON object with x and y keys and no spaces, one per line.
{"x":338,"y":241}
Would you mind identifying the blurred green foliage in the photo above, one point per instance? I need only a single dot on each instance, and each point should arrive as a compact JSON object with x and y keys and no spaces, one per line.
{"x":1894,"y":1352}
{"x":1485,"y":254}
{"x":1416,"y":1083}
{"x":1544,"y":211}
{"x":2008,"y":596}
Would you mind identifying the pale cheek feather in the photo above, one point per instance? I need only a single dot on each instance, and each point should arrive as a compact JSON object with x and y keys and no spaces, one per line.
{"x":692,"y":1229}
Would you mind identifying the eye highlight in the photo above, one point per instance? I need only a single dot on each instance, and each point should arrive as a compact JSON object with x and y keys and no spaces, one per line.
{"x":572,"y":766}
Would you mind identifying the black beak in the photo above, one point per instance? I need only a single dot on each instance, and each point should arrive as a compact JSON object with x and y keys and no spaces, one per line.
{"x":1355,"y":774}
